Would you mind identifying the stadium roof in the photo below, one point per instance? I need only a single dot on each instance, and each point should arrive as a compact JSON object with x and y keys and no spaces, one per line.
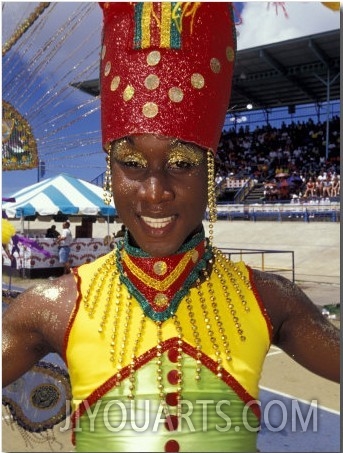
{"x":298,"y":71}
{"x":288,"y":73}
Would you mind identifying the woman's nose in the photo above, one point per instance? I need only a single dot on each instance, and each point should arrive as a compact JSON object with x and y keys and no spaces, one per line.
{"x":156,"y":188}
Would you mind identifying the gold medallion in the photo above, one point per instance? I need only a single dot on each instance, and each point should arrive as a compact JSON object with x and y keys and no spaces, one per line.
{"x":160,"y":267}
{"x":161,"y":300}
{"x":195,"y":255}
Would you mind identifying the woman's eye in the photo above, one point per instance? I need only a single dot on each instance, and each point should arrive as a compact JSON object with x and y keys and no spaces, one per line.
{"x":133,"y":163}
{"x":185,"y":157}
{"x":126,"y":156}
{"x":181,"y":164}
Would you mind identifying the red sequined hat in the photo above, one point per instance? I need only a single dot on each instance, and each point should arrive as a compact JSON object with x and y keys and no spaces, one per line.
{"x":166,"y":68}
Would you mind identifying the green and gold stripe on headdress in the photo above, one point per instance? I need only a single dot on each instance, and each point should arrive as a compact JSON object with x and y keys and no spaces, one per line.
{"x":160,"y":24}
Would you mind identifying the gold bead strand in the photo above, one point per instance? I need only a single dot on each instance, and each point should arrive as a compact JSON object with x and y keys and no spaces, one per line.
{"x":108,"y":304}
{"x":108,"y":181}
{"x":117,"y":308}
{"x":211,"y":194}
{"x":209,"y":328}
{"x":132,"y":378}
{"x":220,"y":326}
{"x":159,"y":370}
{"x":128,"y":318}
{"x":224,"y":259}
{"x":96,"y":286}
{"x":24,"y":26}
{"x":196,"y":336}
{"x":179,"y":364}
{"x":225,"y":263}
{"x":227,"y":294}
{"x":229,"y":302}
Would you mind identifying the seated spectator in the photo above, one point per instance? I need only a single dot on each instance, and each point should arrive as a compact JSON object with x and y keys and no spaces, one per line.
{"x":310,"y":186}
{"x":336,"y":186}
{"x":271,"y":192}
{"x":319,"y":184}
{"x":327,"y":187}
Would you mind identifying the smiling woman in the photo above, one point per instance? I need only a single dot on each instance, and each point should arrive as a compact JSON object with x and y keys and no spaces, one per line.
{"x":165,"y":327}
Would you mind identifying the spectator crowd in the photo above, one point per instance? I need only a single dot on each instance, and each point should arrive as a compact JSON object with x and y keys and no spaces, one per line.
{"x":292,"y":161}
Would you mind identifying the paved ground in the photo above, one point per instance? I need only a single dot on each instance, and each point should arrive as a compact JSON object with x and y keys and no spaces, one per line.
{"x":317,"y":265}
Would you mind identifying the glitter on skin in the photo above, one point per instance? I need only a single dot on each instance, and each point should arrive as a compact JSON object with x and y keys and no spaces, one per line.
{"x":181,"y":154}
{"x":123,"y":153}
{"x":297,"y":327}
{"x":186,"y":154}
{"x":51,"y":293}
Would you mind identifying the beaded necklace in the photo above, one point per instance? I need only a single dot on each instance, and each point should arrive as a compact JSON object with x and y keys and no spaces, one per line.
{"x":159,"y":285}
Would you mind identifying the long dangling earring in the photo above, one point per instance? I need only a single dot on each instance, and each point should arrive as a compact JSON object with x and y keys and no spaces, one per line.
{"x":108,"y":181}
{"x":211,"y":194}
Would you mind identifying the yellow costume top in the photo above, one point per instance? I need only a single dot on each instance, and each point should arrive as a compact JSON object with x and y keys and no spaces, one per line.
{"x":166,"y":354}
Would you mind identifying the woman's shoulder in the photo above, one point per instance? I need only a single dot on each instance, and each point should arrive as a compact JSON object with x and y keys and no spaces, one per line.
{"x":45,"y":308}
{"x":277,"y":294}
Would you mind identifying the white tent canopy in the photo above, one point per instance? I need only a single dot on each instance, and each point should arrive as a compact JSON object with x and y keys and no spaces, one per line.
{"x":62,"y":194}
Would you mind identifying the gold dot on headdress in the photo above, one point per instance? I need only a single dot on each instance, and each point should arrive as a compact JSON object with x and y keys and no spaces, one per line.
{"x":115,"y":83}
{"x":107,"y":68}
{"x":215,"y":65}
{"x":152,"y":82}
{"x":128,"y":93}
{"x":197,"y":81}
{"x":175,"y":94}
{"x":153,"y":58}
{"x":150,"y":110}
{"x":230,"y":54}
{"x":103,"y":51}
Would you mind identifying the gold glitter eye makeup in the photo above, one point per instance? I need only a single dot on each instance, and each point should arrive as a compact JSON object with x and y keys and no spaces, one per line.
{"x":185,"y":156}
{"x":123,"y":153}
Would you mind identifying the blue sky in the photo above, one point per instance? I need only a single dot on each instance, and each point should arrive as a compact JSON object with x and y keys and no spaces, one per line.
{"x":63,"y":47}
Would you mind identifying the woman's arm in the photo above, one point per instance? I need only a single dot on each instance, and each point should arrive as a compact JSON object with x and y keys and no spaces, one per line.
{"x":34,"y":324}
{"x":299,"y":327}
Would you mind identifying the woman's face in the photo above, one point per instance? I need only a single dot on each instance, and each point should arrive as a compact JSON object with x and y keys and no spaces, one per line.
{"x":159,"y":189}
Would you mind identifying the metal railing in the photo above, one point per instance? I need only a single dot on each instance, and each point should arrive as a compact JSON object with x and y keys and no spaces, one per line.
{"x":244,"y":191}
{"x":261,"y":261}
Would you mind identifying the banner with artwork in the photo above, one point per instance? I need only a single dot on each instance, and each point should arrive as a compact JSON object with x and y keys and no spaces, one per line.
{"x":19,"y":147}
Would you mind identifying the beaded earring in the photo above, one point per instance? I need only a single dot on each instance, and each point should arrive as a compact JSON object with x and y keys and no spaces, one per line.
{"x":211,"y":194}
{"x":108,"y":181}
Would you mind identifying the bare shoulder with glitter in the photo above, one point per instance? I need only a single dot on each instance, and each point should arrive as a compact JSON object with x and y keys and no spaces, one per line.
{"x":34,"y":324}
{"x":299,"y":328}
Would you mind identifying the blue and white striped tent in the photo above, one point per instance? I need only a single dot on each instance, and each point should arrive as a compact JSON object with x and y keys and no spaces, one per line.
{"x":62,"y":194}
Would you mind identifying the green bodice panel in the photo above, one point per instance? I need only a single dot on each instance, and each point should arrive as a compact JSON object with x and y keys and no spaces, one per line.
{"x":214,"y":418}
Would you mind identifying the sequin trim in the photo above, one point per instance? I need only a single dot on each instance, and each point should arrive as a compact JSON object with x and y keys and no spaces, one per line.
{"x":157,"y":25}
{"x":73,"y":314}
{"x":260,"y":303}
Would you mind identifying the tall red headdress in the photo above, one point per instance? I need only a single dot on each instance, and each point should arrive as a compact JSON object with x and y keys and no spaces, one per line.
{"x":166,"y":68}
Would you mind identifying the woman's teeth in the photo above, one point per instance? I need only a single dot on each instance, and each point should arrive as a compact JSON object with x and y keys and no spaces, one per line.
{"x":157,"y":223}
